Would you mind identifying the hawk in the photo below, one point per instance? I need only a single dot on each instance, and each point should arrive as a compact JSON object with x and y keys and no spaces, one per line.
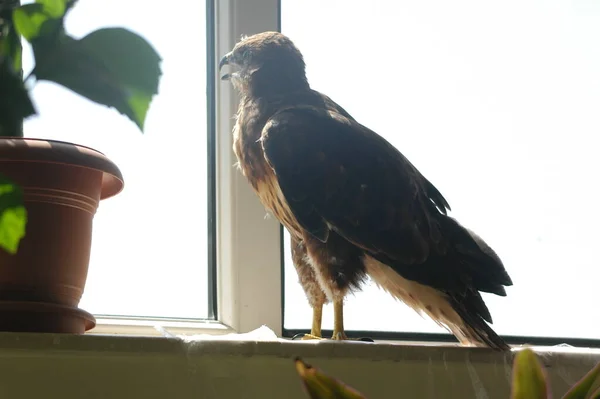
{"x":355,"y":207}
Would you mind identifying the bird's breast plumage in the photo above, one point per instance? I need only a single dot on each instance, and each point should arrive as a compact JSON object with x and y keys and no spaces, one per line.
{"x":251,"y":160}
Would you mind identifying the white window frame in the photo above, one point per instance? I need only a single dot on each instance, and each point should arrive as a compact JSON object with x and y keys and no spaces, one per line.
{"x":249,"y":279}
{"x":248,"y":241}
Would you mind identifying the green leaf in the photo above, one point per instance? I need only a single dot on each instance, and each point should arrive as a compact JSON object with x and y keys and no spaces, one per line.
{"x":321,"y":386}
{"x":10,"y":41}
{"x":54,"y":8}
{"x":70,"y":66}
{"x":139,"y":104}
{"x":134,"y":61}
{"x":529,"y":379}
{"x":15,"y":104}
{"x":112,"y":66}
{"x":584,"y":387}
{"x":595,"y":395}
{"x":29,"y":19}
{"x":124,"y":76}
{"x":41,"y":19}
{"x":13,"y":216}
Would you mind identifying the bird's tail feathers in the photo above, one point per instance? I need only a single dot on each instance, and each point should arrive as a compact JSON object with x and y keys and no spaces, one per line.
{"x":475,"y":330}
{"x":483,"y":267}
{"x":482,"y":263}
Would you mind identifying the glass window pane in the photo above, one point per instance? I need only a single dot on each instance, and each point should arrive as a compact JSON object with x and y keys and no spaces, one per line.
{"x":496,"y":104}
{"x":149,"y":251}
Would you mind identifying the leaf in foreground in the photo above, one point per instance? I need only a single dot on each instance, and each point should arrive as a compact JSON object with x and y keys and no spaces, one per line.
{"x":123,"y":76}
{"x":587,"y":387}
{"x":321,"y":386}
{"x":33,"y":20}
{"x":13,"y":216}
{"x":529,"y":379}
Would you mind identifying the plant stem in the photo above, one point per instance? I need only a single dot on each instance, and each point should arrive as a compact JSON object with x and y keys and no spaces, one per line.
{"x":6,"y":10}
{"x":9,"y":4}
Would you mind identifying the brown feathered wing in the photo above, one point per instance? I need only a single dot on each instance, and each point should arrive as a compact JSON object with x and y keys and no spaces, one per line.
{"x":338,"y":175}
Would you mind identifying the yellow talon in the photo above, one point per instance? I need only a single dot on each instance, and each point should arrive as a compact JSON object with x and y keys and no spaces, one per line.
{"x":315,"y":331}
{"x":338,"y":324}
{"x":307,"y":337}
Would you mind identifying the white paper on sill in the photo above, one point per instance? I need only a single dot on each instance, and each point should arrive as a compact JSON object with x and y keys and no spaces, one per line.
{"x":262,"y":333}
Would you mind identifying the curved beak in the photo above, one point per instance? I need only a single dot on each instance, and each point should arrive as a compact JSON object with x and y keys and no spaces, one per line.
{"x":225,"y":61}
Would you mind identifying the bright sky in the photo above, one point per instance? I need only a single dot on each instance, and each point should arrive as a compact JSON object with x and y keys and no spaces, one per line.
{"x":497,"y":104}
{"x":149,"y":245}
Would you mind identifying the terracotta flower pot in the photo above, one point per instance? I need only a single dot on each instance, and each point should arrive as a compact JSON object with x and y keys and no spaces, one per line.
{"x":41,"y":285}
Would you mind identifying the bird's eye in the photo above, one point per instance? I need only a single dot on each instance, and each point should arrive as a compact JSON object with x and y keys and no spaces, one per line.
{"x":246,"y":54}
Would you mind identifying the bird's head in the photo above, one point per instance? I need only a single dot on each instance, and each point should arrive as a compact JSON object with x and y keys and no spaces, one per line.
{"x":265,"y":63}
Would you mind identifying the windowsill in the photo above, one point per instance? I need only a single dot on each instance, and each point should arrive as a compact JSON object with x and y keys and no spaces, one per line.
{"x":123,"y":366}
{"x":156,"y":327}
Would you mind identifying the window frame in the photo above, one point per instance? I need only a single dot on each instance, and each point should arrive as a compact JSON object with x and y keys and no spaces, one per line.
{"x":249,"y":259}
{"x":245,"y":260}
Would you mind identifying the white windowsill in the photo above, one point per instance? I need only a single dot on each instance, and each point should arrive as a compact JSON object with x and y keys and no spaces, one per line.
{"x":156,"y":327}
{"x":118,"y":366}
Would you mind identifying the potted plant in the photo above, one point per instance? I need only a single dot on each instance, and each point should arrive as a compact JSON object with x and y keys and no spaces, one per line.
{"x":50,"y":190}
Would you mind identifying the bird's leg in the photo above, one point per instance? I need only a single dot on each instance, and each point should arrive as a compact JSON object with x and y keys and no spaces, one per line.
{"x":338,"y":320}
{"x":326,"y":273}
{"x":315,"y":331}
{"x":308,"y":279}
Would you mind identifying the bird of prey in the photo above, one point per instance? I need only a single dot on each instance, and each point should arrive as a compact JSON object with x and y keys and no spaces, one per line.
{"x":353,"y":204}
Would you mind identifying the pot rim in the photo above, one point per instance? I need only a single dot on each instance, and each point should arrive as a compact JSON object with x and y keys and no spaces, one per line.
{"x":29,"y":149}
